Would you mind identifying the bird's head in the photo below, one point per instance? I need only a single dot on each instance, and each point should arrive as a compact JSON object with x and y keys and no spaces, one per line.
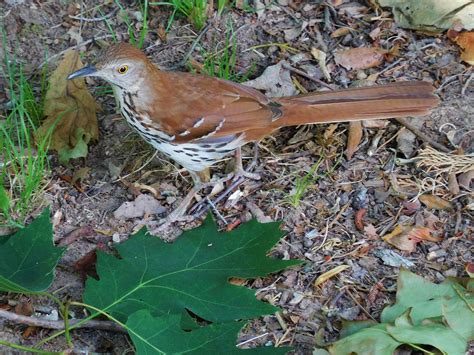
{"x":121,"y":64}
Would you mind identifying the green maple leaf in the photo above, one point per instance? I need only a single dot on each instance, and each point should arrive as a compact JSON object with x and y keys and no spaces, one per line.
{"x":164,"y":335}
{"x":191,"y":273}
{"x":28,"y":257}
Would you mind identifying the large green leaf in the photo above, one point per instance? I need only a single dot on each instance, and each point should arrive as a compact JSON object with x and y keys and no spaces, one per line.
{"x":460,"y":318}
{"x":191,"y":273}
{"x":368,"y":341}
{"x":424,"y":297}
{"x":437,"y":335}
{"x":163,"y":335}
{"x":28,"y":257}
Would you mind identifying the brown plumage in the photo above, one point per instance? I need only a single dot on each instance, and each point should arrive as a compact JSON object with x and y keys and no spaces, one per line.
{"x":197,"y":119}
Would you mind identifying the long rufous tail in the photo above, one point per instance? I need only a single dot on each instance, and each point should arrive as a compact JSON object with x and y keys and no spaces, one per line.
{"x":387,"y":101}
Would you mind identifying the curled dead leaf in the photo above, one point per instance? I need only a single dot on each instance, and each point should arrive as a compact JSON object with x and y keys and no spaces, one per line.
{"x":360,"y":58}
{"x":70,"y":111}
{"x":329,"y":274}
{"x":355,"y":136}
{"x":405,"y":237}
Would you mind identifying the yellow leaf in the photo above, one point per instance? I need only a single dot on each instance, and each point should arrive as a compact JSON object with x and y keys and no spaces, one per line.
{"x":70,"y":111}
{"x":331,"y":273}
{"x":435,"y":202}
{"x":355,"y":135}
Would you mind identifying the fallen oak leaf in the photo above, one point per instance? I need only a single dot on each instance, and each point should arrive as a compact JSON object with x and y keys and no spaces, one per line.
{"x":70,"y":111}
{"x":360,"y":58}
{"x":406,"y":237}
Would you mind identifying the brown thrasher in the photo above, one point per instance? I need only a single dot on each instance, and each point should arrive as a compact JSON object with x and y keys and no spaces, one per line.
{"x":196,"y":120}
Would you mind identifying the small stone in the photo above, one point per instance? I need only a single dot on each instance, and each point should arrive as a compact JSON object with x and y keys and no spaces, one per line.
{"x":436,"y":254}
{"x":297,"y":298}
{"x":283,"y":2}
{"x":451,"y":273}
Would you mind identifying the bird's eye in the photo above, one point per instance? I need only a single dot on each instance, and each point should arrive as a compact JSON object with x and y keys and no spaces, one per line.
{"x":122,"y":69}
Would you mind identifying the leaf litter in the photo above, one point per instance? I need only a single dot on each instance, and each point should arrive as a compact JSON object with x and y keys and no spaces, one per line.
{"x":325,"y":221}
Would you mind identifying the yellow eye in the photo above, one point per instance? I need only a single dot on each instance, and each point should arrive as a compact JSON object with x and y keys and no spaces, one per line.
{"x":122,"y":69}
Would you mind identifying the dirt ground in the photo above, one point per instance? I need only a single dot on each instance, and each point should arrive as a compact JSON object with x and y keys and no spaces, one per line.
{"x":324,"y":228}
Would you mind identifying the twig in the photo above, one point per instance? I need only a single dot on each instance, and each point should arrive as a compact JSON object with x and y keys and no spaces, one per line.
{"x":59,"y":324}
{"x":307,"y":76}
{"x":425,"y":138}
{"x":95,"y":19}
{"x":190,"y":51}
{"x":252,"y":339}
{"x":464,"y":88}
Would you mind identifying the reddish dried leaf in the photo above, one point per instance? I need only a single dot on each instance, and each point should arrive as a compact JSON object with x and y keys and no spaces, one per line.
{"x":360,"y":58}
{"x":233,"y":225}
{"x":355,"y":136}
{"x":29,"y":331}
{"x":470,"y":269}
{"x":76,"y":234}
{"x":410,"y":207}
{"x":359,"y":216}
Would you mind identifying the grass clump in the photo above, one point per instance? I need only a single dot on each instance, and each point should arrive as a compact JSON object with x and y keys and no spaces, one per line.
{"x":194,"y":10}
{"x":23,"y":161}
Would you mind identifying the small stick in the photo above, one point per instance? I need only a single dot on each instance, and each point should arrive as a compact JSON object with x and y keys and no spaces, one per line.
{"x":425,"y":138}
{"x":465,"y":86}
{"x":307,"y":76}
{"x":59,"y":324}
{"x":94,"y":19}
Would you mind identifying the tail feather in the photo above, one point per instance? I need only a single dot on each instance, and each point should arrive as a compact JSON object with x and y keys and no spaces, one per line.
{"x":386,"y":101}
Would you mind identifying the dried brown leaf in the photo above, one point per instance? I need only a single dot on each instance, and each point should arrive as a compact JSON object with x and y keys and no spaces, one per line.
{"x":340,"y":32}
{"x":435,"y":202}
{"x":371,"y":232}
{"x":405,"y":237}
{"x":70,"y":111}
{"x":465,"y":40}
{"x":355,"y":136}
{"x":360,"y":58}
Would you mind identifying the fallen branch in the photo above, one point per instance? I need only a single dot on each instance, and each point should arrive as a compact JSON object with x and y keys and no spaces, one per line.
{"x":425,"y":138}
{"x":59,"y":324}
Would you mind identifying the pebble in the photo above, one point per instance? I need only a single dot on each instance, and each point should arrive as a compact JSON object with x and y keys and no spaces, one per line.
{"x":433,"y":255}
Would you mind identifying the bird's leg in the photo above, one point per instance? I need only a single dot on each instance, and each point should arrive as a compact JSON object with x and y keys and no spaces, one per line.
{"x":180,"y":211}
{"x":239,"y":169}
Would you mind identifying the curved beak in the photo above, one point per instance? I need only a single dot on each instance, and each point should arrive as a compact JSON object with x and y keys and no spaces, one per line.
{"x":88,"y":70}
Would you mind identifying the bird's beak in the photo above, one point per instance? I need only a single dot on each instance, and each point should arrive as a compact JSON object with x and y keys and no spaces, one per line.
{"x":88,"y":70}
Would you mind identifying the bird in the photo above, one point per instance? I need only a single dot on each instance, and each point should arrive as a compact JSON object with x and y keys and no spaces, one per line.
{"x":196,"y":120}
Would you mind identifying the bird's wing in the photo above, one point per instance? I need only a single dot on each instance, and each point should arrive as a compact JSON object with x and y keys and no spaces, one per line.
{"x":200,"y":108}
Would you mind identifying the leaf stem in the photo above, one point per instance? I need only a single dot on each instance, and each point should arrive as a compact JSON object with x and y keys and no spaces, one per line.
{"x":26,"y":348}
